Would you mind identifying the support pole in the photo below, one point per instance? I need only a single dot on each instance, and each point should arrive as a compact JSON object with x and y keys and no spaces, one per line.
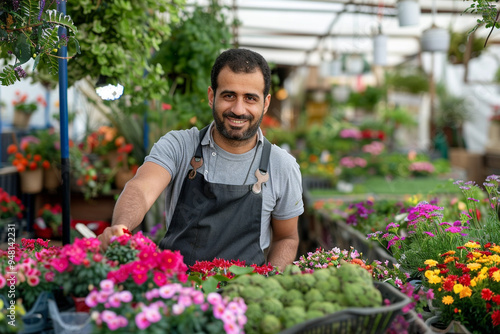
{"x":63,"y":120}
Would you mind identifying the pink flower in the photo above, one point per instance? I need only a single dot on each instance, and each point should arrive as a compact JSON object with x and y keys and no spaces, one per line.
{"x":152,"y":314}
{"x":214,"y":298}
{"x":33,"y":280}
{"x":168,"y":291}
{"x":107,"y":285}
{"x":159,"y":278}
{"x":107,"y":315}
{"x":3,"y":281}
{"x":141,"y":321}
{"x":114,"y":300}
{"x":219,"y":310}
{"x":126,"y":296}
{"x":177,"y":309}
{"x":60,"y":264}
{"x":49,"y":276}
{"x":231,"y":328}
{"x":197,"y":297}
{"x":91,"y":299}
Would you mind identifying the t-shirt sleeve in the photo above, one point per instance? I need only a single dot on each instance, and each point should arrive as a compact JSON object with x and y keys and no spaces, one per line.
{"x":289,"y":201}
{"x":172,"y":150}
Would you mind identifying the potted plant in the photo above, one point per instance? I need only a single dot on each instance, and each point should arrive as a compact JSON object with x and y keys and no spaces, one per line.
{"x":29,"y":162}
{"x":172,"y":308}
{"x":23,"y":109}
{"x":78,"y":268}
{"x":48,"y":222}
{"x":465,"y":284}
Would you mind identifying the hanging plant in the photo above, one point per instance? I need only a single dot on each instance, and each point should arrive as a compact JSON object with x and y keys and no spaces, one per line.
{"x":489,"y":13}
{"x":29,"y":29}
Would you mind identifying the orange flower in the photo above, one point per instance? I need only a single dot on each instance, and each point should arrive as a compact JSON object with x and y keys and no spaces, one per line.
{"x":11,"y":149}
{"x":46,"y":164}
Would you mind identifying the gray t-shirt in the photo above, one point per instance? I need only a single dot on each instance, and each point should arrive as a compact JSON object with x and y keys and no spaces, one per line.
{"x":282,"y":194}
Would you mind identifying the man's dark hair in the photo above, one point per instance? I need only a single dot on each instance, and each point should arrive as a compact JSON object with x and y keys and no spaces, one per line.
{"x":241,"y":61}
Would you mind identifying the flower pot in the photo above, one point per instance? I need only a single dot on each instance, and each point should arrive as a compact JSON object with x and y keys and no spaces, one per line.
{"x":380,"y":50}
{"x":408,"y":13}
{"x":31,"y":181}
{"x":36,"y":319}
{"x":51,"y":177}
{"x":69,"y":322}
{"x":80,"y":305}
{"x":453,"y":327}
{"x":21,"y":119}
{"x":435,"y":39}
{"x":122,"y":177}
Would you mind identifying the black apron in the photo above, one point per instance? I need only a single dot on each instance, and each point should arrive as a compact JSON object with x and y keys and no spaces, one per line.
{"x":213,"y":220}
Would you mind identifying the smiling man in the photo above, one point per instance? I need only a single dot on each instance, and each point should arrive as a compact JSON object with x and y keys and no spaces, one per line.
{"x":229,"y":193}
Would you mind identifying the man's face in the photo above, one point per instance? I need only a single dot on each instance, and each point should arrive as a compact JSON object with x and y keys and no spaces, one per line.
{"x":239,"y":104}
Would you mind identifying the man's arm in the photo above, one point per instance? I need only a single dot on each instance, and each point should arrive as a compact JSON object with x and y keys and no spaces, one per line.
{"x":136,"y":199}
{"x":285,"y":242}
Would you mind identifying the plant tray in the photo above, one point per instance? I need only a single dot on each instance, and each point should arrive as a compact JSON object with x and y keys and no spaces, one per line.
{"x":363,"y":320}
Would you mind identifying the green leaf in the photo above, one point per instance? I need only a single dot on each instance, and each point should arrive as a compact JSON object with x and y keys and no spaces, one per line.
{"x":240,"y":270}
{"x":210,"y":284}
{"x":22,"y":49}
{"x":53,"y":16}
{"x":8,"y":75}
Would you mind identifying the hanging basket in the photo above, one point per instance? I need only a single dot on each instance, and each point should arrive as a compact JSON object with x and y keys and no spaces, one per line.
{"x":435,"y":39}
{"x":31,"y":181}
{"x":380,"y":50}
{"x":21,"y":119}
{"x":408,"y":13}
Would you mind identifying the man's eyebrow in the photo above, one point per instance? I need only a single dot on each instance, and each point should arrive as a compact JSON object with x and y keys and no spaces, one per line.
{"x":256,"y":96}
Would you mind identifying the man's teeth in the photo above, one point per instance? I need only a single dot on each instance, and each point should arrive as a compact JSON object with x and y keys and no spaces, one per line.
{"x":234,"y":121}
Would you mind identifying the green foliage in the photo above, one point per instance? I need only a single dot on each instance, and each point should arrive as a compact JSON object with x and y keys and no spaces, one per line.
{"x":488,"y":11}
{"x":117,"y":38}
{"x":367,"y":99}
{"x":458,"y":42}
{"x":187,"y":58}
{"x":405,"y":79}
{"x":29,"y":31}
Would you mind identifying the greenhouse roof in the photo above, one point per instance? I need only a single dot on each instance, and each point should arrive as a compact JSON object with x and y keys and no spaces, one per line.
{"x":305,"y":32}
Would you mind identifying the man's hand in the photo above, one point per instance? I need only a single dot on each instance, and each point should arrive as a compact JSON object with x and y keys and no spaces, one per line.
{"x":105,"y":236}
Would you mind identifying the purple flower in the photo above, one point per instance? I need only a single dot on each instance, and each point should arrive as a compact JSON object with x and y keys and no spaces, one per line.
{"x":453,"y":229}
{"x":429,"y":233}
{"x":20,"y":72}
{"x":42,"y":5}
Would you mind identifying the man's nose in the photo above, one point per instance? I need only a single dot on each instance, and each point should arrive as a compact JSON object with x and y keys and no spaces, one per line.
{"x":239,"y":107}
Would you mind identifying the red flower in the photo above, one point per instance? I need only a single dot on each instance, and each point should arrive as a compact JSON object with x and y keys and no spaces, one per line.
{"x":496,"y":299}
{"x":496,"y":318}
{"x":486,"y":294}
{"x":464,"y":280}
{"x":448,"y":284}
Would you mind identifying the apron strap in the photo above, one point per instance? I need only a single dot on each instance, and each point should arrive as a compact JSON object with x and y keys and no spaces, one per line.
{"x":264,"y":159}
{"x":197,"y":159}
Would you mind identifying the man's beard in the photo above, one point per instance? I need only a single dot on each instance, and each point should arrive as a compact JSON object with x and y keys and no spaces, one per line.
{"x":236,"y":134}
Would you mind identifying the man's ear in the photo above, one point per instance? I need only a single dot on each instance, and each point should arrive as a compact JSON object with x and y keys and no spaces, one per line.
{"x":210,"y":94}
{"x":267,"y":102}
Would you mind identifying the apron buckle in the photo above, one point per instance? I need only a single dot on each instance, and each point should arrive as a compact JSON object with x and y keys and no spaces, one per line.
{"x":261,"y":178}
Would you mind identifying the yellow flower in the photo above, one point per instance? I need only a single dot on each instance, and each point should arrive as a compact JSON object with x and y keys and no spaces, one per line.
{"x":473,"y":282}
{"x":431,"y":263}
{"x":429,"y":273}
{"x":496,"y":276}
{"x":457,"y":288}
{"x":466,"y":292}
{"x":473,"y":266}
{"x":434,"y":279}
{"x":477,"y":255}
{"x":495,"y":249}
{"x":495,"y":258}
{"x":448,"y":300}
{"x":481,"y":277}
{"x":471,"y":244}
